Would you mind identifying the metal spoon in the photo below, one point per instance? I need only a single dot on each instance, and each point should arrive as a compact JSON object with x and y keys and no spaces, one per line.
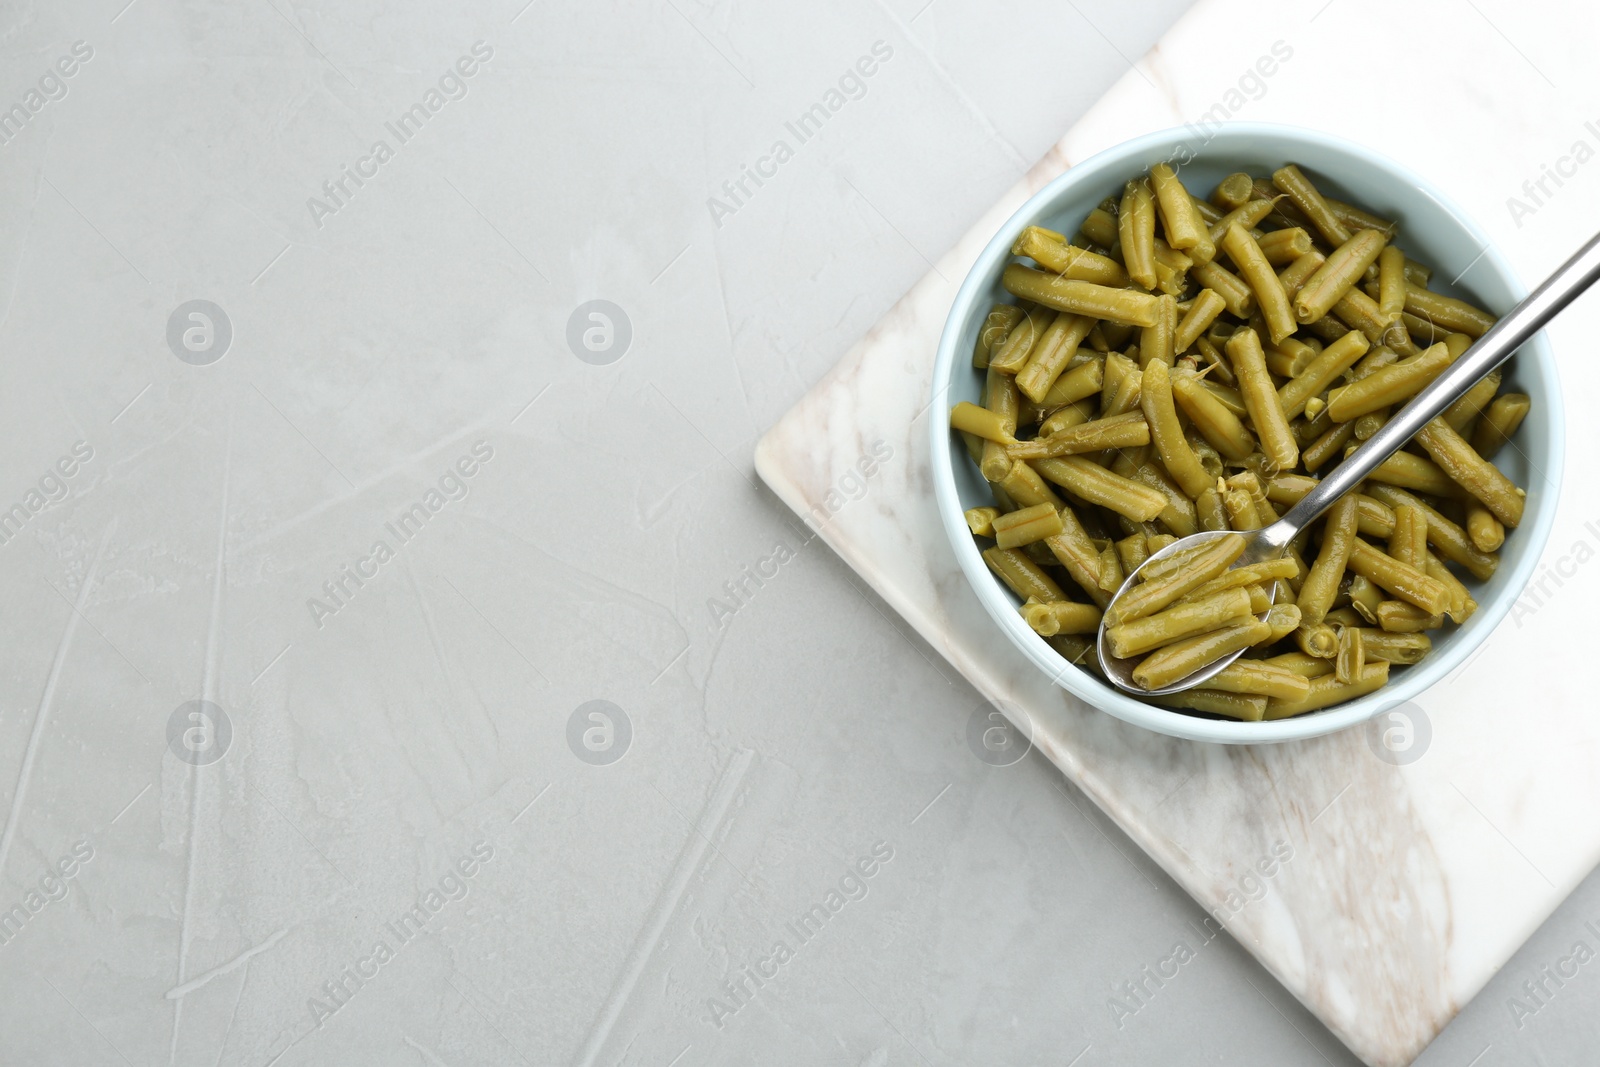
{"x":1270,"y":542}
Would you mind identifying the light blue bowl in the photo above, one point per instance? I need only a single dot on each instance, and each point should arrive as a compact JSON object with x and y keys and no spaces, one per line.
{"x":1432,"y":230}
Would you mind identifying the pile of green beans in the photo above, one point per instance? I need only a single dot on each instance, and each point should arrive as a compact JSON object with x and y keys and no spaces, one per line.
{"x":1184,"y":364}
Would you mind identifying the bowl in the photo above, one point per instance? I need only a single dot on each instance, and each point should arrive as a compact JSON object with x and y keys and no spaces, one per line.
{"x":1432,"y":230}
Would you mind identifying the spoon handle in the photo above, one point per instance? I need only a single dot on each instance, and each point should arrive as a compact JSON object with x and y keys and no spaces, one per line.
{"x":1487,"y":353}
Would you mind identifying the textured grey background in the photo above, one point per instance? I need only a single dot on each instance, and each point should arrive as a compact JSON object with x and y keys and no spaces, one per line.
{"x":774,"y":742}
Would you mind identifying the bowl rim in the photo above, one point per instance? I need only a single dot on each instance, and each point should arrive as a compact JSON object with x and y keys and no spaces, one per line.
{"x":1537,"y":526}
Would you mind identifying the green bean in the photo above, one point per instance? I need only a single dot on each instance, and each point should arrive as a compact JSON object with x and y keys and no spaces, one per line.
{"x":1443,"y":534}
{"x":1180,"y":219}
{"x":1242,"y":514}
{"x":1283,"y":247}
{"x":1011,"y":354}
{"x":1236,"y":295}
{"x":1293,"y":277}
{"x":982,"y":422}
{"x":1395,"y":648}
{"x":1462,"y":413}
{"x":1133,"y":550}
{"x":1258,"y":273}
{"x":1181,"y":620}
{"x":1210,"y":511}
{"x":1284,"y":619}
{"x":1156,"y":341}
{"x":1392,"y":282}
{"x":1354,"y":218}
{"x":975,"y":445}
{"x":1111,"y":574}
{"x":1233,"y":191}
{"x":1327,"y":690}
{"x":1403,"y":581}
{"x":993,"y":462}
{"x":1261,"y":400}
{"x":1290,"y":357}
{"x":1093,"y":483}
{"x":1136,"y":226}
{"x":1337,"y":275}
{"x":1174,"y":662}
{"x":1472,"y":472}
{"x":1338,"y":538}
{"x":1241,"y":706}
{"x":1227,"y":397}
{"x":1052,"y":355}
{"x":1076,"y":649}
{"x":1164,"y":586}
{"x":1219,"y":373}
{"x":1119,"y":431}
{"x":1026,"y":526}
{"x":1447,"y":312}
{"x":1390,"y":385}
{"x":1359,"y":311}
{"x":1076,"y":384}
{"x":1410,"y":471}
{"x":1179,"y":515}
{"x":1026,"y":489}
{"x":1172,"y":267}
{"x":1421,"y":329}
{"x":996,"y":326}
{"x":1076,"y":553}
{"x":1351,"y":657}
{"x":1155,"y":399}
{"x":1409,"y":541}
{"x":1337,"y":358}
{"x":1300,"y":663}
{"x":1100,"y":226}
{"x":1399,"y":617}
{"x":1342,"y":619}
{"x":1500,"y":420}
{"x":1022,"y":574}
{"x":1052,"y":252}
{"x":1126,"y":396}
{"x":1330,"y":444}
{"x":1211,"y":460}
{"x":1304,"y":195}
{"x":1117,"y":366}
{"x":1261,"y":573}
{"x":1080,"y":298}
{"x":981,"y":521}
{"x":1259,"y":678}
{"x":1317,"y":639}
{"x":1214,"y":421}
{"x":1461,"y":604}
{"x":1061,"y":617}
{"x":1248,"y":216}
{"x":1064,"y":418}
{"x":1203,"y":311}
{"x":1364,"y":597}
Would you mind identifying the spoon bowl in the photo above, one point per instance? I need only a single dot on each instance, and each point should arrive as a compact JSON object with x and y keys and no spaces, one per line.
{"x":1119,"y":672}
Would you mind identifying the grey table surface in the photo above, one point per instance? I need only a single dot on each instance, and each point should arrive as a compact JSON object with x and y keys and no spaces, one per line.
{"x":403,"y":663}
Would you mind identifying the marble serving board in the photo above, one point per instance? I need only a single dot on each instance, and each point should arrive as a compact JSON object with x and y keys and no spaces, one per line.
{"x":1408,"y":884}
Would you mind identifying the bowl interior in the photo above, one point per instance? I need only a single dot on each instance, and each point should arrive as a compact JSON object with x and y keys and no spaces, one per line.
{"x":1432,"y":231}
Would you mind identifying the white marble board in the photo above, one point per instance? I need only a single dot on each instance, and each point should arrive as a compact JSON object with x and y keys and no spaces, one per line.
{"x":1405,"y":887}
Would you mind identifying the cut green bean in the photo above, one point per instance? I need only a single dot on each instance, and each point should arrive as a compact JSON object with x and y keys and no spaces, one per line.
{"x":1258,"y":273}
{"x":1292,"y":181}
{"x":1080,"y":298}
{"x":1136,"y":226}
{"x":1343,"y":268}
